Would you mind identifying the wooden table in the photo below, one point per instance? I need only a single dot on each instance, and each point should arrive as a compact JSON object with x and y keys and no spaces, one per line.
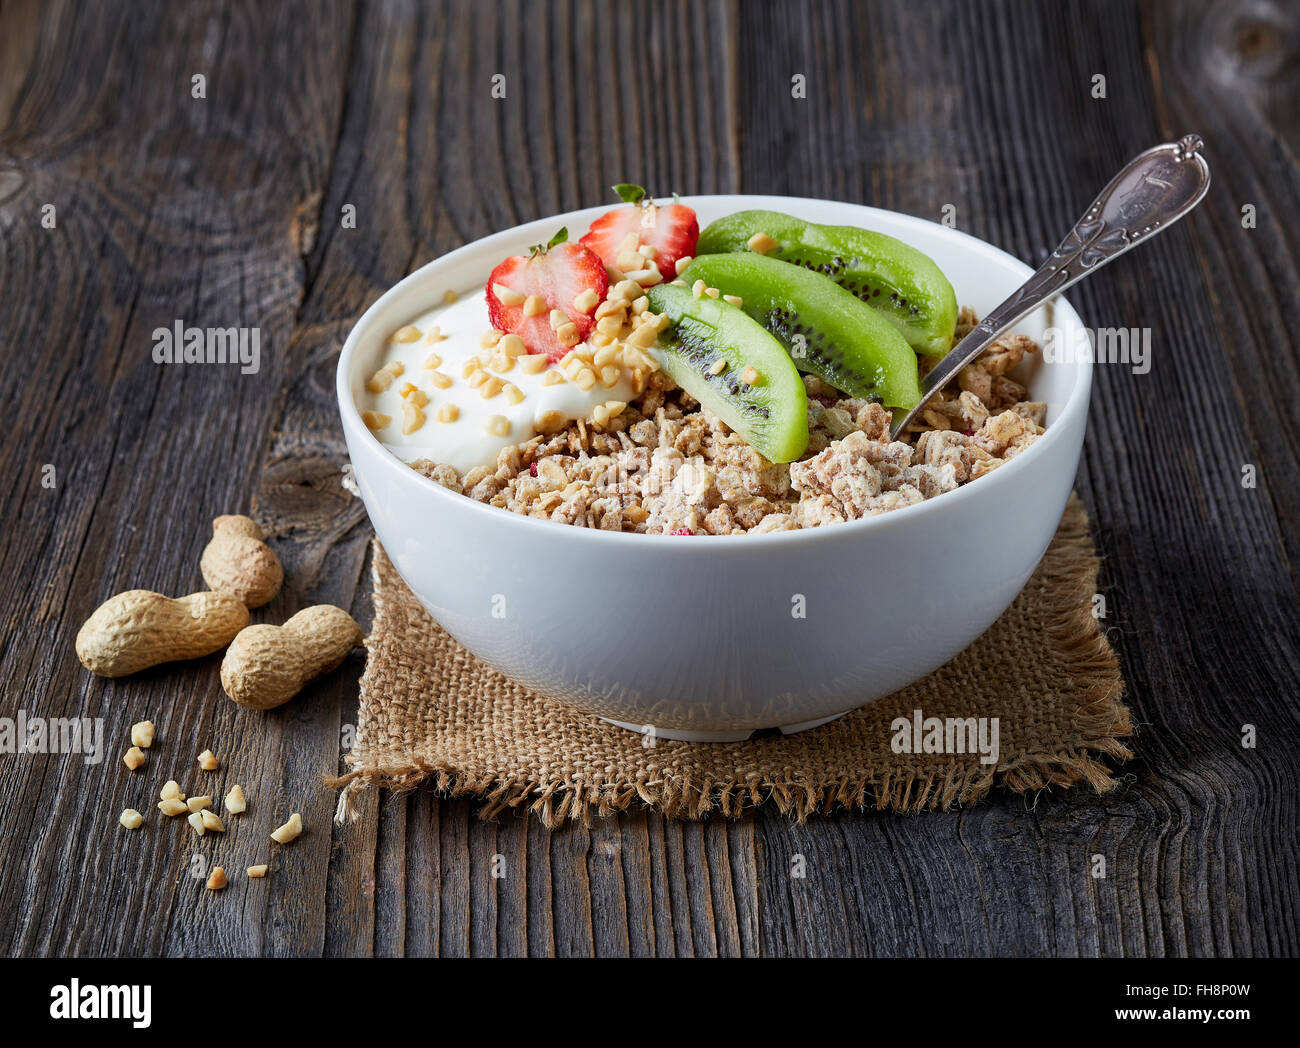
{"x":227,"y":210}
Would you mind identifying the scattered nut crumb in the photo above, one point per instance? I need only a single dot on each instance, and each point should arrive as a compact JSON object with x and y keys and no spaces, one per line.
{"x":134,"y":758}
{"x":196,"y":821}
{"x":258,"y":871}
{"x":199,"y":803}
{"x":290,"y":831}
{"x":235,"y":800}
{"x":761,"y":242}
{"x":208,"y":761}
{"x":172,"y":806}
{"x":131,"y":819}
{"x":142,"y":734}
{"x":172,"y":791}
{"x":217,"y":879}
{"x":212,"y":822}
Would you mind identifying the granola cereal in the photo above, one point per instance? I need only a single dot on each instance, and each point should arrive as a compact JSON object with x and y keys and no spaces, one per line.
{"x":665,"y":465}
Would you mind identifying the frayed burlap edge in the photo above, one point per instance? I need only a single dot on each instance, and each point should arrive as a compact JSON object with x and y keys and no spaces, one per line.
{"x":1101,"y":721}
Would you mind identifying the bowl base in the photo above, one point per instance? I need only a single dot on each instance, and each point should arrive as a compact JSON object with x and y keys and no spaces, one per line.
{"x":740,"y":735}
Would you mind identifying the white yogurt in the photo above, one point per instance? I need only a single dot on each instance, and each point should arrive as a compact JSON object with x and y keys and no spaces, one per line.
{"x":467,"y":443}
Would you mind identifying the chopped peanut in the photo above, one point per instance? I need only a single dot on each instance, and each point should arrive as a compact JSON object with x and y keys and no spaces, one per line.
{"x":217,"y":879}
{"x":236,"y":802}
{"x":409,"y":333}
{"x":586,"y":301}
{"x":508,"y":296}
{"x":532,"y":363}
{"x":412,"y":416}
{"x":196,"y":821}
{"x":512,"y":346}
{"x":172,"y":791}
{"x":550,"y":421}
{"x":534,"y":306}
{"x":290,"y":831}
{"x":762,"y":243}
{"x":208,"y":761}
{"x":198,"y":803}
{"x":172,"y":806}
{"x":643,"y":337}
{"x":142,"y":734}
{"x":376,"y":419}
{"x":382,"y":379}
{"x":134,"y":758}
{"x":258,"y":871}
{"x":131,"y":819}
{"x":211,"y":822}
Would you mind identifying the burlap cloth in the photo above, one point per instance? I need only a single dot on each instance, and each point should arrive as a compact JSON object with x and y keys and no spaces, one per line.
{"x":431,"y":711}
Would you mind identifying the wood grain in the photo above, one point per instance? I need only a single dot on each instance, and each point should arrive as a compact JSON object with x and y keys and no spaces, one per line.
{"x":227,"y":211}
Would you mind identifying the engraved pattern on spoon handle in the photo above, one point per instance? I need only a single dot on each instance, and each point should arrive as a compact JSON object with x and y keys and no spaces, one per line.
{"x":1153,"y":191}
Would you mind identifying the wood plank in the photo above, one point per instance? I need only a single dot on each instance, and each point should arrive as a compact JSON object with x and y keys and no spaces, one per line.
{"x":168,"y":208}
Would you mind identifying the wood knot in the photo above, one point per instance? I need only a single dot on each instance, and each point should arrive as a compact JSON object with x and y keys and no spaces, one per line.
{"x":1262,"y":43}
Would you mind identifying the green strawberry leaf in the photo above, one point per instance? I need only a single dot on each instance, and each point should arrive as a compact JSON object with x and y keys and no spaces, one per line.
{"x":629,"y":193}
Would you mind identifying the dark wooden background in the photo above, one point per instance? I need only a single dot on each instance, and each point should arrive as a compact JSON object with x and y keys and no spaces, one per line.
{"x":226,"y":211}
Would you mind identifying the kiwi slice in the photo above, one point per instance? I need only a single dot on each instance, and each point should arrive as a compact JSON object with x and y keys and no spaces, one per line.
{"x":826,"y":330}
{"x":893,"y":277}
{"x":730,"y":364}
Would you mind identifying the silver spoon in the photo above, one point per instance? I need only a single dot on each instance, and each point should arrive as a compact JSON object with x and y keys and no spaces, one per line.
{"x":1153,"y":191}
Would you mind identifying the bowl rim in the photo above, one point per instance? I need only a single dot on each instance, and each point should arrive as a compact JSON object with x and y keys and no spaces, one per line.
{"x":1075,"y":405}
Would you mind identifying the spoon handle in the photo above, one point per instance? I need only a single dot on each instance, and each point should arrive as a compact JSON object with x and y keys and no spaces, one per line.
{"x":1152,"y":192}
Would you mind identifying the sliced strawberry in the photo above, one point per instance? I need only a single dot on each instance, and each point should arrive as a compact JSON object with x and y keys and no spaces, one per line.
{"x":558,"y":273}
{"x":671,"y":229}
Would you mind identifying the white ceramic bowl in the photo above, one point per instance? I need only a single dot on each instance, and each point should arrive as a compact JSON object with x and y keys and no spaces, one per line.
{"x":697,"y":637}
